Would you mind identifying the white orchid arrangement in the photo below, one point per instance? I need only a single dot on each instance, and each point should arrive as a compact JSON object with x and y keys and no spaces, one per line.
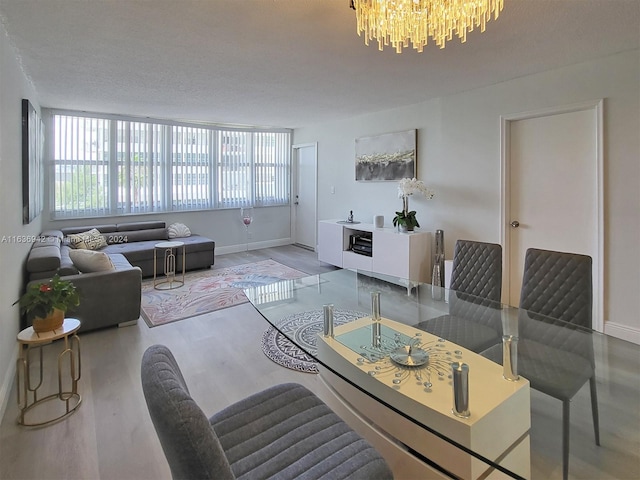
{"x":406,"y":187}
{"x":409,"y":186}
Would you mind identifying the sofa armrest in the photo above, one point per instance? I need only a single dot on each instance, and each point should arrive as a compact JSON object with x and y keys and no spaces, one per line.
{"x":106,"y":298}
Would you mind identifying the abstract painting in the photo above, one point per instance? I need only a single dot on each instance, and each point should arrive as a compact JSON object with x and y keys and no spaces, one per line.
{"x":391,"y":156}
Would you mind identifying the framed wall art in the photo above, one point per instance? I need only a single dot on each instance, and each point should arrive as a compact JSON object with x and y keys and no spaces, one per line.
{"x":32,"y":167}
{"x":391,"y":156}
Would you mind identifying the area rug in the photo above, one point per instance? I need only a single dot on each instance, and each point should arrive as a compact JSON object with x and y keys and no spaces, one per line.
{"x":303,"y":327}
{"x":210,"y":290}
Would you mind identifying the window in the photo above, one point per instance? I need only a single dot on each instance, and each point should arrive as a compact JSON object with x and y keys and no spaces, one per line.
{"x":116,"y":166}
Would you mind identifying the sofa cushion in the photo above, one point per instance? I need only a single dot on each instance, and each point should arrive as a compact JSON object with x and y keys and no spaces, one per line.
{"x":66,"y":264}
{"x":197,"y":243}
{"x":127,"y":227}
{"x":89,"y":240}
{"x":48,"y":238}
{"x":144,"y":235}
{"x":43,"y":258}
{"x":119,"y":261}
{"x":106,"y":228}
{"x":134,"y":251}
{"x":178,"y":230}
{"x":89,"y":261}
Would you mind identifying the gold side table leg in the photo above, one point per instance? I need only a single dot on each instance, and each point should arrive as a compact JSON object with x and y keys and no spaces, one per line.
{"x":21,"y":384}
{"x":72,"y":350}
{"x":27,"y":377}
{"x":170,"y":266}
{"x":155,"y":266}
{"x":24,"y":378}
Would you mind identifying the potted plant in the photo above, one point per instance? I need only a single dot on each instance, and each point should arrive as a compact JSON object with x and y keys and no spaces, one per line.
{"x":45,"y":303}
{"x":406,"y":219}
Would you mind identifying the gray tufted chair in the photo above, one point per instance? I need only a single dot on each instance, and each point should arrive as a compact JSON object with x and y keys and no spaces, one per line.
{"x":284,"y":432}
{"x":474,"y":300}
{"x":555,"y":348}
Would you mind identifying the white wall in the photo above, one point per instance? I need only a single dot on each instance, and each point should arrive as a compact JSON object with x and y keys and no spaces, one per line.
{"x":14,"y":86}
{"x":459,"y":156}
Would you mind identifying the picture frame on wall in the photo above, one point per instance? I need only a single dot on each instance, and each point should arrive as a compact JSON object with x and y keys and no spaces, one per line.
{"x":390,"y":156}
{"x":32,"y":162}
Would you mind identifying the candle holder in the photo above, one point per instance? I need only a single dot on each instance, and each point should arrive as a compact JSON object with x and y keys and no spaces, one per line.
{"x":510,"y":358}
{"x":460,"y":389}
{"x":328,"y":320}
{"x":375,"y":306}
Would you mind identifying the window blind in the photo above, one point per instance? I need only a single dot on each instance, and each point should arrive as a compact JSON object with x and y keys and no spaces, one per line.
{"x":113,"y":165}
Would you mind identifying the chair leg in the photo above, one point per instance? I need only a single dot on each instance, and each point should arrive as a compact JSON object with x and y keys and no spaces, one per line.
{"x":566,"y":421}
{"x":594,"y":409}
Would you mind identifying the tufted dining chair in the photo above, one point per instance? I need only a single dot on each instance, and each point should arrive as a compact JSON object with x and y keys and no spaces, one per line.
{"x":555,"y":347}
{"x":473,"y":320}
{"x":283,"y":432}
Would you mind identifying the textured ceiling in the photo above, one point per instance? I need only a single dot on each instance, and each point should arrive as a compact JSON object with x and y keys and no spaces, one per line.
{"x":288,"y":63}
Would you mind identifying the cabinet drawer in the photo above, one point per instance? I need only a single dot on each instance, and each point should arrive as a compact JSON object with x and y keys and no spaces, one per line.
{"x":356,"y":261}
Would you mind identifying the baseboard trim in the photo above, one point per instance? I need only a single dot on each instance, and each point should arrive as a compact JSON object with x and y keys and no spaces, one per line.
{"x":623,"y":332}
{"x":253,"y":246}
{"x":7,"y":382}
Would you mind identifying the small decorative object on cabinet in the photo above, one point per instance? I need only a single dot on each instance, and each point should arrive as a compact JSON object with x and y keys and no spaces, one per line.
{"x":406,"y":219}
{"x":45,"y":303}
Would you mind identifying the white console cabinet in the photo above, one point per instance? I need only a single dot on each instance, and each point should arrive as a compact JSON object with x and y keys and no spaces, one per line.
{"x":404,"y":255}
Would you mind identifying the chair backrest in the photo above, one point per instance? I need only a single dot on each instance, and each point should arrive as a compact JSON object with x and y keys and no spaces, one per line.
{"x":187,"y":438}
{"x":477,"y":272}
{"x":558,"y":285}
{"x":477,"y":269}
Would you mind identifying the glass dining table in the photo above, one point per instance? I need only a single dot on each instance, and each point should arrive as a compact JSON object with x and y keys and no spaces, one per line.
{"x":430,"y":376}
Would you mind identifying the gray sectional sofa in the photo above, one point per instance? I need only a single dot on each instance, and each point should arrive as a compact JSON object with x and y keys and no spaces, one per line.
{"x":112,"y":297}
{"x":135,"y":240}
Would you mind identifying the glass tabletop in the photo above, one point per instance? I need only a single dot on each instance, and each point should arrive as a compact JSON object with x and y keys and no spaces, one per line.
{"x":442,"y":373}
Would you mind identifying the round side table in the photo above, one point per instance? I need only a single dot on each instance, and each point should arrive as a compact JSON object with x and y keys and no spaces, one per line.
{"x":30,"y":344}
{"x":169,"y":282}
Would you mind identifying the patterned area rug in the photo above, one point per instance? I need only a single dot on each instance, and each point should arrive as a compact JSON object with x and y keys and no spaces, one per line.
{"x":303,"y":327}
{"x":210,"y":290}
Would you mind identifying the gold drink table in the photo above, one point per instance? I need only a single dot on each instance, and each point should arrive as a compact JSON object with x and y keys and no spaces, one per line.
{"x":169,"y":282}
{"x":31,"y":342}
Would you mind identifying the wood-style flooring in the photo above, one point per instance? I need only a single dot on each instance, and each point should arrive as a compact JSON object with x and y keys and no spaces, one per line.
{"x":111,"y":435}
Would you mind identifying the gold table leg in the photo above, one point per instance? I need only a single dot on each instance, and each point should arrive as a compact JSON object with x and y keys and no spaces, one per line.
{"x":70,"y":397}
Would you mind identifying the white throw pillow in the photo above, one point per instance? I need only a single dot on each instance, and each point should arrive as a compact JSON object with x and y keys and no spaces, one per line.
{"x":177,"y":230}
{"x":90,"y":240}
{"x":91,"y":261}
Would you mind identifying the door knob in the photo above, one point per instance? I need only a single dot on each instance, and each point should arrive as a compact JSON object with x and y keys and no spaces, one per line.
{"x":515,"y":224}
{"x":296,"y":203}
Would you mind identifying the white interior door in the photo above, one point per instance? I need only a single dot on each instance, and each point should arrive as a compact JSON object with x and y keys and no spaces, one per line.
{"x":553,"y":199}
{"x":304,"y":213}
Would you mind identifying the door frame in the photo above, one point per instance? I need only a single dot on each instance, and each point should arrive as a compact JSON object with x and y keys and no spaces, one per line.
{"x":294,"y":184}
{"x":505,"y":213}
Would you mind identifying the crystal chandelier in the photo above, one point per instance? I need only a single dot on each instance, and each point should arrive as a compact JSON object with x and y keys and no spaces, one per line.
{"x":400,"y":22}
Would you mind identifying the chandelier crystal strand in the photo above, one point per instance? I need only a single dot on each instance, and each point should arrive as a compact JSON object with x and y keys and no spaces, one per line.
{"x":402,"y":22}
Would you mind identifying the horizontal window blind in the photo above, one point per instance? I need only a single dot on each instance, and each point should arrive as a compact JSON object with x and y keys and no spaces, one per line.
{"x":106,"y":165}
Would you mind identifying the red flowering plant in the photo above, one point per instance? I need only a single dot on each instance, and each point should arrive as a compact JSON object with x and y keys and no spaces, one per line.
{"x":41,"y":299}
